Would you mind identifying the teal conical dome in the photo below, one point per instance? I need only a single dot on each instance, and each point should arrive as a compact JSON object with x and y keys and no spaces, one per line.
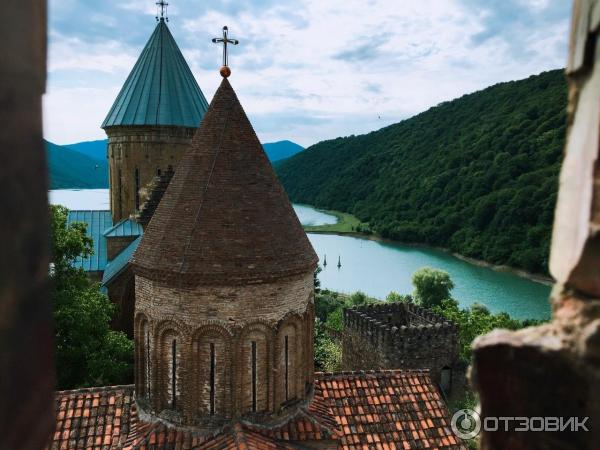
{"x":160,"y":90}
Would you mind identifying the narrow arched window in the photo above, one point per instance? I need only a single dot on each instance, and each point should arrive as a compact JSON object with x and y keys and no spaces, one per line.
{"x":288,"y":360}
{"x":158,"y":172}
{"x":137,"y":188}
{"x":213,"y":366}
{"x":173,"y":374}
{"x":147,"y":357}
{"x":170,"y":373}
{"x":211,"y":372}
{"x":287,"y":368}
{"x":120,"y":193}
{"x":253,"y":362}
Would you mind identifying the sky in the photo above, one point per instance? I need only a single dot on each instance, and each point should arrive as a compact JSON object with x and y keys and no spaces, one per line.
{"x":305,"y":70}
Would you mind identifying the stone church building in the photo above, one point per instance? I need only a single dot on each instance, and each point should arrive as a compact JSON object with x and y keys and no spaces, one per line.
{"x":149,"y":127}
{"x":224,"y":297}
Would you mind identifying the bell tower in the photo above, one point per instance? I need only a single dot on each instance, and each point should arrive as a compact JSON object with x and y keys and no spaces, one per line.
{"x":224,"y":311}
{"x":152,"y":120}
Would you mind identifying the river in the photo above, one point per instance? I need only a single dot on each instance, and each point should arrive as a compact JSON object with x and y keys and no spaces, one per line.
{"x":377,"y":268}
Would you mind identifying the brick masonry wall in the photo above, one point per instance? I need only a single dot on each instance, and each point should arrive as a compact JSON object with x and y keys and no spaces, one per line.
{"x":398,"y":336}
{"x":230,"y":318}
{"x":147,"y":149}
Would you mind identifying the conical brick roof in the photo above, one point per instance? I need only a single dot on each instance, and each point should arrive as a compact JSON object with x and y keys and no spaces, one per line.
{"x":160,"y":90}
{"x":225,"y":218}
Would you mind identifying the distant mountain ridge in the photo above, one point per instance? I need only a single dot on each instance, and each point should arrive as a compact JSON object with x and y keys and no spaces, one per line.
{"x":70,"y":164}
{"x":277,"y":151}
{"x":71,"y":169}
{"x":93,"y":149}
{"x":477,"y":175}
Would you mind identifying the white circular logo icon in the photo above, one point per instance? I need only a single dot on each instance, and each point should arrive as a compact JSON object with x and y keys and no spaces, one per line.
{"x":466,"y":423}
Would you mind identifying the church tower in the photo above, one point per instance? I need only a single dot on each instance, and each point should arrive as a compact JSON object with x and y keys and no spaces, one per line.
{"x":224,"y":311}
{"x":152,"y":121}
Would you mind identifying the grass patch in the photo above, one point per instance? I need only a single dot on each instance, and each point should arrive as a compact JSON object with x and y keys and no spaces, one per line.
{"x":346,"y":223}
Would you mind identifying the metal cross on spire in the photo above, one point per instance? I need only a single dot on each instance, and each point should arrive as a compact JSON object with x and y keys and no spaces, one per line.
{"x":225,"y":40}
{"x":162,"y":5}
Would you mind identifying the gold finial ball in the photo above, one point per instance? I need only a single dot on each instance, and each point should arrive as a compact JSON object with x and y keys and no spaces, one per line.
{"x":225,"y":72}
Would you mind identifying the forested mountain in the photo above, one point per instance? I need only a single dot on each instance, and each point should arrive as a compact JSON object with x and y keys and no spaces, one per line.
{"x":477,"y":175}
{"x":71,"y":169}
{"x":84,"y":165}
{"x":93,"y":149}
{"x":276,"y":151}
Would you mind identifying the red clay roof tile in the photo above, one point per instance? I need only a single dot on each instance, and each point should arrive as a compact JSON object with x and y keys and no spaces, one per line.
{"x":343,"y":414}
{"x":372,"y":407}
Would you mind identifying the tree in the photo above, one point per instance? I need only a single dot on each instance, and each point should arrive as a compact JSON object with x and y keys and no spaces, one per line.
{"x":431,"y":286}
{"x":472,"y":175}
{"x":328,"y":353}
{"x":87,"y":351}
{"x":475,"y":321}
{"x":394,"y":297}
{"x":317,"y":282}
{"x":358,"y":298}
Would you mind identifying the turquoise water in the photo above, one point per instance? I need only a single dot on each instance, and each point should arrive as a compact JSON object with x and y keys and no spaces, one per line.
{"x":310,"y":216}
{"x":377,"y":268}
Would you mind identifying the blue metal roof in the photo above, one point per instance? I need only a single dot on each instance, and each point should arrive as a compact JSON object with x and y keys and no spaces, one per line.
{"x":119,"y":264}
{"x":125,"y":227}
{"x":161,"y":89}
{"x":97,"y":222}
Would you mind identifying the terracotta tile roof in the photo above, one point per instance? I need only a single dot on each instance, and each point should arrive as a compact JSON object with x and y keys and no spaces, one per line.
{"x":304,"y":426}
{"x":224,"y":218}
{"x":158,"y":436}
{"x":387,"y":409}
{"x":94,"y":419}
{"x":383,"y":410}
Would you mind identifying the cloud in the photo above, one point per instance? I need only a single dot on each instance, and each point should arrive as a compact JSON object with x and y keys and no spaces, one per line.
{"x":305,"y":70}
{"x":367,"y":50}
{"x":520,"y":24}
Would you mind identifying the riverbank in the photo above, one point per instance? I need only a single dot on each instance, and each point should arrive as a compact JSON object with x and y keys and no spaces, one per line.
{"x":348,"y":225}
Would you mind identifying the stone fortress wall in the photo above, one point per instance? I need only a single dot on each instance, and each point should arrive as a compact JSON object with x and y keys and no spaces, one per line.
{"x":400,"y":336}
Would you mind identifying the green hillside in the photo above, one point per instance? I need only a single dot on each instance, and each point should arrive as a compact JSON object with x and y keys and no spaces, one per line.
{"x":92,"y":149}
{"x":477,"y":175}
{"x":71,"y":169}
{"x":277,"y":151}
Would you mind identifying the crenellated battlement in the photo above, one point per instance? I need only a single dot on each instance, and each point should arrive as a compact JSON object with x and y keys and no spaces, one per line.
{"x":392,"y":323}
{"x":398,"y":336}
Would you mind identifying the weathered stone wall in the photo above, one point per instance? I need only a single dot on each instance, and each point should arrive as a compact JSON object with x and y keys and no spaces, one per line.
{"x":233,"y":327}
{"x":26,"y":366}
{"x":147,"y":149}
{"x":398,"y":336}
{"x":115,"y":245}
{"x":121,"y":292}
{"x":554,"y":370}
{"x":359,"y":353}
